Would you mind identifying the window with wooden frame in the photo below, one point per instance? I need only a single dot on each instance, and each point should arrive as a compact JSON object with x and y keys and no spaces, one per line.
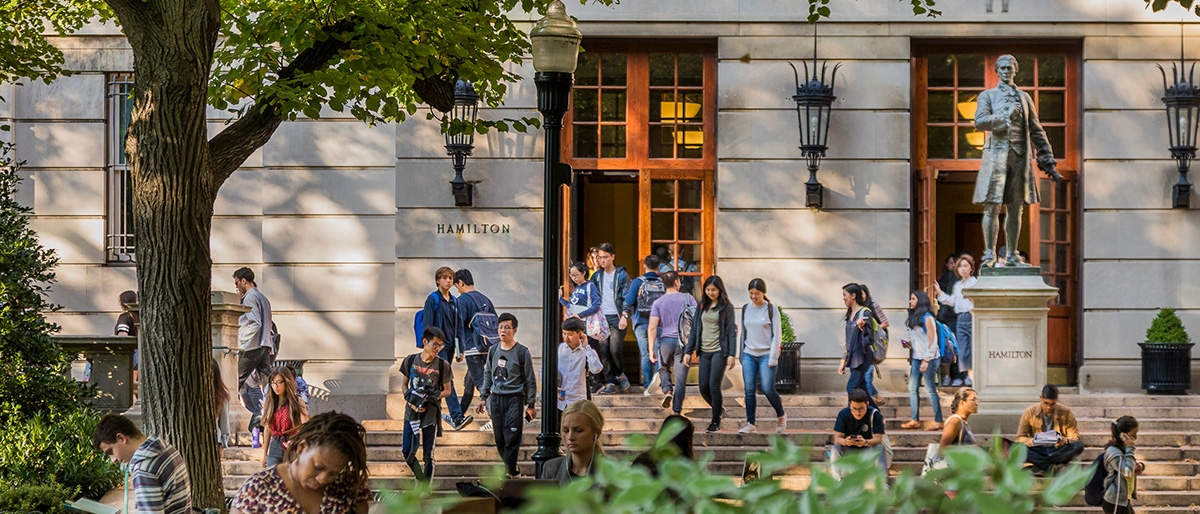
{"x":649,"y":107}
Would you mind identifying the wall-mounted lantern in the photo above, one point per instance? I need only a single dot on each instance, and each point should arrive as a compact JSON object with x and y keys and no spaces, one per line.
{"x":814,"y":100}
{"x":1183,"y":106}
{"x":460,"y":144}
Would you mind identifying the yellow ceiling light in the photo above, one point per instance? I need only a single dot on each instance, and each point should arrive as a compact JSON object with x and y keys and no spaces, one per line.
{"x":966,"y":110}
{"x":975,"y":139}
{"x":691,"y":139}
{"x":678,"y":112}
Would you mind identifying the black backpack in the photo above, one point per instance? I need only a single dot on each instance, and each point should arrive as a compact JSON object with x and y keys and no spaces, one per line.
{"x":484,"y":324}
{"x":1093,"y":492}
{"x":650,"y":290}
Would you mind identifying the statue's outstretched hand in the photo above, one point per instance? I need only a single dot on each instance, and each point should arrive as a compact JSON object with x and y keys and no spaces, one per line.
{"x":1047,"y":165}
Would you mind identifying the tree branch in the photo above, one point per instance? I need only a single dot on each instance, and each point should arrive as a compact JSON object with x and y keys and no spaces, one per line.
{"x":233,"y":146}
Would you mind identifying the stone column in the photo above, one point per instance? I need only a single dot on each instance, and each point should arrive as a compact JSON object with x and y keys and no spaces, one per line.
{"x":226,"y":308}
{"x":1009,"y":342}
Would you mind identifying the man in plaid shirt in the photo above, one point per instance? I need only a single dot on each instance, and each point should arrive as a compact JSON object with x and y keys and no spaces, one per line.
{"x":158,"y":472}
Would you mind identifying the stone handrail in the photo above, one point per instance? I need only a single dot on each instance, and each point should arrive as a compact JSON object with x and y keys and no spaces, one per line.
{"x":111,"y":358}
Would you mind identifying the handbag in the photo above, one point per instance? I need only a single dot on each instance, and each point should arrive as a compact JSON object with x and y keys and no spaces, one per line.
{"x":596,"y":323}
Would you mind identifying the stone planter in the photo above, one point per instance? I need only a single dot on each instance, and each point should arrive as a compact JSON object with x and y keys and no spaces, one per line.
{"x":1166,"y":367}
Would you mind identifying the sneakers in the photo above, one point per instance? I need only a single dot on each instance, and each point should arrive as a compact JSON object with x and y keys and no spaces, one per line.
{"x":648,"y":392}
{"x":749,"y":428}
{"x":653,"y":380}
{"x":713,"y":428}
{"x":967,"y":382}
{"x":623,"y":383}
{"x":781,"y":424}
{"x":668,"y":399}
{"x":945,"y":380}
{"x":608,"y":389}
{"x":598,"y":389}
{"x":487,"y":427}
{"x":462,"y":423}
{"x":449,"y":420}
{"x":255,"y":438}
{"x":956,"y":382}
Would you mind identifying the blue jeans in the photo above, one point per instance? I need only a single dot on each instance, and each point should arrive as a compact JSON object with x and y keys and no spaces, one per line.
{"x":914,"y":381}
{"x":452,"y":404}
{"x":758,"y":371}
{"x":858,"y":380}
{"x":871,"y":382}
{"x":642,"y":332}
{"x":962,"y":334}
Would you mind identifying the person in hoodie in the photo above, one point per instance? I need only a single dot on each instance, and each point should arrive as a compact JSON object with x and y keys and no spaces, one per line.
{"x":641,"y":320}
{"x":441,"y":312}
{"x":614,"y":283}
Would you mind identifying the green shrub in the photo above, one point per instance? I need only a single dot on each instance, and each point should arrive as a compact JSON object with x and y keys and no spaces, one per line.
{"x":1167,"y":328}
{"x":47,"y":499}
{"x":33,"y":368}
{"x":789,"y":334}
{"x":56,"y":449}
{"x":984,"y":481}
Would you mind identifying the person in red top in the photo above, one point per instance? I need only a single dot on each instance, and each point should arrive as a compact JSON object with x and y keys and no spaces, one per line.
{"x":283,"y":413}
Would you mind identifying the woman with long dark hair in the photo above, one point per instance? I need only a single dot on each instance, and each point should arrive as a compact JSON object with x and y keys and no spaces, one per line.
{"x":221,"y":393}
{"x":857,"y":355}
{"x":760,"y":337}
{"x":866,"y":300}
{"x":1121,"y":467}
{"x":712,"y":343}
{"x":282,"y":415}
{"x":923,"y":340}
{"x":962,"y":307}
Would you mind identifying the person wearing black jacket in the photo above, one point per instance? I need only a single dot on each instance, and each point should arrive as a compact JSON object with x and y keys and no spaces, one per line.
{"x":713,"y":343}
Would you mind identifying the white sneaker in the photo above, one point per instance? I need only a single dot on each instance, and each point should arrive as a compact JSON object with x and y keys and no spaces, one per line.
{"x":781,"y":424}
{"x":487,"y":427}
{"x":748,"y":429}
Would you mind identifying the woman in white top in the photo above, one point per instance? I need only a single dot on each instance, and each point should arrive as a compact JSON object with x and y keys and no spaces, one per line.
{"x":923,"y":340}
{"x":962,"y":307}
{"x":760,"y":336}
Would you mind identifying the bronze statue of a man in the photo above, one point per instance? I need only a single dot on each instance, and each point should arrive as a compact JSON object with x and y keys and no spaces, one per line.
{"x":1006,"y":175}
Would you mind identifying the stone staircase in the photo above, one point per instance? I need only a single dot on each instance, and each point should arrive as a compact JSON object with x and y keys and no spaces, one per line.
{"x":1169,"y":440}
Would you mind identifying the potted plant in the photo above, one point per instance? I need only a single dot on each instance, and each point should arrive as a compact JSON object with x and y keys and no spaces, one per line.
{"x":787,"y":375}
{"x":1167,"y":355}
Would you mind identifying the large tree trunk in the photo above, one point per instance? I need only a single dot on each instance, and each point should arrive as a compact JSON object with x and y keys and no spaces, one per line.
{"x":173,"y":196}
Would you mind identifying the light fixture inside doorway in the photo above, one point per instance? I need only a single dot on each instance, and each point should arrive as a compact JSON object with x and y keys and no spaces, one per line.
{"x":1182,"y":98}
{"x":814,"y":101}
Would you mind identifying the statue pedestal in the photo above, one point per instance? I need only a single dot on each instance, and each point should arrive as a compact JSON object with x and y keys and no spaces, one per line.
{"x":1009,"y":341}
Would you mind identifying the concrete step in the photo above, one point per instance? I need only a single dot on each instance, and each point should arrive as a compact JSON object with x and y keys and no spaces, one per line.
{"x":692,"y":399}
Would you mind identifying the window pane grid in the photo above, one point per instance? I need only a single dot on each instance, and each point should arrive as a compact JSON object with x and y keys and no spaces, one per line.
{"x":676,"y":122}
{"x":599,"y":105}
{"x":119,"y":238}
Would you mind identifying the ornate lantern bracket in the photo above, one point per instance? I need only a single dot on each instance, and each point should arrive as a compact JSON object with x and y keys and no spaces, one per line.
{"x":814,"y":101}
{"x":460,"y":139}
{"x":1182,"y":100}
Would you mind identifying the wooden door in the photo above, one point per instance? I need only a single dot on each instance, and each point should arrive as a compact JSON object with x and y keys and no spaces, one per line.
{"x":1053,"y":222}
{"x":925,"y":230}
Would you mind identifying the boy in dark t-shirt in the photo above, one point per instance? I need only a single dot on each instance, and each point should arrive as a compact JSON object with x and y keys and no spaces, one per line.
{"x":425,"y":379}
{"x":859,"y":427}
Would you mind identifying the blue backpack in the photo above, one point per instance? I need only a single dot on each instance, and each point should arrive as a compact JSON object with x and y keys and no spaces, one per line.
{"x":484,"y":324}
{"x":419,"y":319}
{"x":947,"y":344}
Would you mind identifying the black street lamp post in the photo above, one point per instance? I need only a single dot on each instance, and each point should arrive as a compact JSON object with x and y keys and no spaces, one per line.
{"x":555,"y":48}
{"x":814,"y":100}
{"x":459,"y":144}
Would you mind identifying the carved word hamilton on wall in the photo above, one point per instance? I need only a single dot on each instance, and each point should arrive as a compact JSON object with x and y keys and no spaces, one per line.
{"x":472,"y":228}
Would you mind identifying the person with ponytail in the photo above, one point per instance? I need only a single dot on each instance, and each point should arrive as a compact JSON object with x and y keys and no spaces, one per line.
{"x":866,"y":300}
{"x":1121,"y":467}
{"x":760,"y":337}
{"x":324,"y":470}
{"x":857,"y":355}
{"x":582,"y":426}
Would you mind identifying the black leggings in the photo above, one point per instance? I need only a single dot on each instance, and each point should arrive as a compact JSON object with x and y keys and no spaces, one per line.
{"x":712,"y":372}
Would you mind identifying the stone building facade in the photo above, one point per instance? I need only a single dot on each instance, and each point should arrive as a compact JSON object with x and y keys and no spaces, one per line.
{"x":684,"y":119}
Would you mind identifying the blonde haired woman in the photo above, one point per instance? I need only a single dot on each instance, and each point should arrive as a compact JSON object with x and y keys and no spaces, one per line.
{"x":582,"y":425}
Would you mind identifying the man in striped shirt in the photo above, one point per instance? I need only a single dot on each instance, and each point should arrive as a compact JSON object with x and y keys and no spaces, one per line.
{"x":157,"y":470}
